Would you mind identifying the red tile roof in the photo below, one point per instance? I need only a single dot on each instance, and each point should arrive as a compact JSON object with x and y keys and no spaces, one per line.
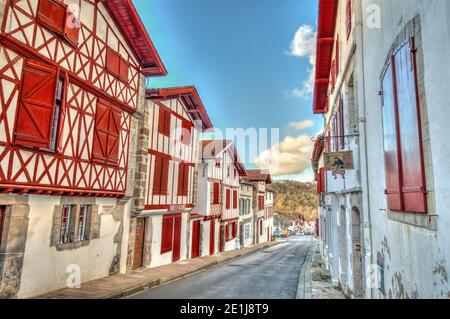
{"x":259,"y":175}
{"x":325,"y":44}
{"x":190,"y":98}
{"x":130,"y":24}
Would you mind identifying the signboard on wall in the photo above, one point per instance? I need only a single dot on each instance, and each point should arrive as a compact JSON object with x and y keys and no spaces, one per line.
{"x":339,"y":162}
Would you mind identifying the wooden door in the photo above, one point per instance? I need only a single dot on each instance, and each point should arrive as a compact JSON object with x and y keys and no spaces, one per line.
{"x":176,"y":239}
{"x":222,"y":238}
{"x":195,"y":250}
{"x":212,"y":235}
{"x":139,"y":243}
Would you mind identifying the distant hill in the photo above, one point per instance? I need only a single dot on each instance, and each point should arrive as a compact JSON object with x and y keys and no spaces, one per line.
{"x":295,"y":198}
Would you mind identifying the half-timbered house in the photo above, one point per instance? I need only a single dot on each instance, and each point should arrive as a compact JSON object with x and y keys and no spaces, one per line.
{"x":71,"y":78}
{"x":166,"y":228}
{"x":219,"y":173}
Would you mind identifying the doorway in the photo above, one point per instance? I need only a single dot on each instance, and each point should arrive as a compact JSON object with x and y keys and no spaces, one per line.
{"x":357,"y":254}
{"x":195,"y":250}
{"x":177,"y":239}
{"x":212,"y":236}
{"x":139,"y":243}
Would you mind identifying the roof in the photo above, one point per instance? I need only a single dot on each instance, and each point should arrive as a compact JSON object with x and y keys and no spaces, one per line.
{"x":190,"y":98}
{"x":259,"y":175}
{"x":325,"y":43}
{"x":130,"y":24}
{"x":211,"y":149}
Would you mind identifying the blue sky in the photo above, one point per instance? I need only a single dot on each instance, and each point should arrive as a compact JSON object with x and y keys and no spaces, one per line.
{"x":237,"y":54}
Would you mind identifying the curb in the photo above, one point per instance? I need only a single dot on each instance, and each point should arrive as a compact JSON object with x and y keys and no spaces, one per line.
{"x":304,"y":289}
{"x":155,"y":283}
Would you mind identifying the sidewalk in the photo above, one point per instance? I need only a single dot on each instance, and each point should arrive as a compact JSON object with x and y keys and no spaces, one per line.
{"x":122,"y":285}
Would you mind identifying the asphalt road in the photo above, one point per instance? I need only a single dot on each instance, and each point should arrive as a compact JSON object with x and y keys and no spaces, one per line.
{"x":272,"y":273}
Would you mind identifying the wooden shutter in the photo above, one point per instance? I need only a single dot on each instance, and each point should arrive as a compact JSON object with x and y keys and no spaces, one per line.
{"x":212,"y":237}
{"x":124,"y":70}
{"x":113,"y":61}
{"x":234,"y":230}
{"x":177,"y":238}
{"x":391,"y":152}
{"x":72,"y":28}
{"x":34,"y":119}
{"x":216,"y":193}
{"x":186,"y":132}
{"x":167,"y":234}
{"x":164,"y":176}
{"x":157,"y":175}
{"x":167,"y":116}
{"x":341,"y":123}
{"x":181,"y":169}
{"x":227,"y":197}
{"x":235,"y":195}
{"x":107,"y":133}
{"x":186,"y":180}
{"x":164,"y":122}
{"x":195,"y":250}
{"x":52,"y":14}
{"x":413,"y":174}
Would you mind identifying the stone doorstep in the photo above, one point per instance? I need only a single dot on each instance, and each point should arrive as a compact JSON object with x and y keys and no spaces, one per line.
{"x":138,"y":281}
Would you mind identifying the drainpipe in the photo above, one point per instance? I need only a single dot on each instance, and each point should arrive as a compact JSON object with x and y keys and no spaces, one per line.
{"x":361,"y":98}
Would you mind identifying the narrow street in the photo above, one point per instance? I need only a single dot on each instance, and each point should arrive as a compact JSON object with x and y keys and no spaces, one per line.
{"x":266,"y":274}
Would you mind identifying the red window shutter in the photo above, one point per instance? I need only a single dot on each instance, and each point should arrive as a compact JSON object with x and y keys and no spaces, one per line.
{"x":164,"y":176}
{"x":409,"y":127}
{"x":113,"y":61}
{"x":167,"y":234}
{"x":234,"y":230}
{"x":322,"y":177}
{"x":391,"y":151}
{"x":161,"y":119}
{"x":212,"y":237}
{"x":186,"y":180}
{"x":260,"y":227}
{"x":228,"y":194}
{"x":164,"y":122}
{"x":341,"y":123}
{"x":216,"y":193}
{"x":348,"y":19}
{"x":124,"y":70}
{"x":157,"y":175}
{"x":113,"y":136}
{"x":34,"y":119}
{"x":72,"y":28}
{"x":167,"y":123}
{"x":235,"y":195}
{"x":177,"y":238}
{"x":186,"y":132}
{"x":52,"y":14}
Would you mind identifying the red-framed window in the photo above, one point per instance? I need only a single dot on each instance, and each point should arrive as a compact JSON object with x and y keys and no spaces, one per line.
{"x":341,"y":123}
{"x":167,"y":234}
{"x":57,"y":16}
{"x":216,"y":192}
{"x":261,"y":202}
{"x":105,"y":148}
{"x":402,"y":129}
{"x":235,"y":198}
{"x":186,"y":132}
{"x":161,"y":175}
{"x":227,"y":199}
{"x":348,"y":18}
{"x":117,"y":65}
{"x":164,"y":122}
{"x":40,"y":100}
{"x":231,"y":231}
{"x":183,"y":178}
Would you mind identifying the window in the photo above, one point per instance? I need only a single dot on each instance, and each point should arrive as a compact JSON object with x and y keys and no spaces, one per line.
{"x":186,"y":132}
{"x":57,"y":16}
{"x":67,"y":223}
{"x":107,"y":133}
{"x":218,"y":164}
{"x":235,"y":196}
{"x":241,"y":206}
{"x":216,"y":192}
{"x":38,"y":109}
{"x":227,"y":199}
{"x":260,"y":227}
{"x":183,"y":179}
{"x":164,"y":122}
{"x":117,"y":65}
{"x":348,"y":18}
{"x":261,"y":202}
{"x":83,"y":223}
{"x":161,"y":176}
{"x":403,"y":150}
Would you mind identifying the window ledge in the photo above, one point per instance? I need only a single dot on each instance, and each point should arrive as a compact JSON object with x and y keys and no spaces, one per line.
{"x":418,"y":220}
{"x":72,"y":246}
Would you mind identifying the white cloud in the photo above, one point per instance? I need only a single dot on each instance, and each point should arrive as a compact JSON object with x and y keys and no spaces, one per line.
{"x":291,"y":156}
{"x":304,"y":45}
{"x":299,"y":126}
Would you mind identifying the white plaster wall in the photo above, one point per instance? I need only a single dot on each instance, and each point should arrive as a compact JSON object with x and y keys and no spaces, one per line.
{"x":45,"y":268}
{"x":159,"y":259}
{"x":416,"y":259}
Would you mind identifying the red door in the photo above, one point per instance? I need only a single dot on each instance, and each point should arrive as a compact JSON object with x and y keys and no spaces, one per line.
{"x":139,"y":243}
{"x":195,"y":252}
{"x":176,"y":239}
{"x":212,"y":235}
{"x":222,"y":238}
